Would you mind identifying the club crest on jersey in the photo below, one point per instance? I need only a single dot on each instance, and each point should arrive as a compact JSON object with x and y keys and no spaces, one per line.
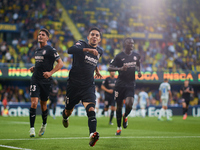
{"x":44,"y":52}
{"x":134,"y":58}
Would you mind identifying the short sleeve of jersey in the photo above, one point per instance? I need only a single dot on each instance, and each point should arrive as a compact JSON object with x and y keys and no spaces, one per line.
{"x":80,"y":44}
{"x":160,"y":87}
{"x":169,"y":87}
{"x":116,"y":62}
{"x":55,"y":53}
{"x":147,"y":95}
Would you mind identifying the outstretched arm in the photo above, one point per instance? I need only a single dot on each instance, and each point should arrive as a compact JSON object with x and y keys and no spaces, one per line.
{"x":76,"y":49}
{"x":55,"y":69}
{"x":112,"y":68}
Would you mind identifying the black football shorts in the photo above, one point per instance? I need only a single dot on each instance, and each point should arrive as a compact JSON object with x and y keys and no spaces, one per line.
{"x":40,"y":90}
{"x":75,"y":94}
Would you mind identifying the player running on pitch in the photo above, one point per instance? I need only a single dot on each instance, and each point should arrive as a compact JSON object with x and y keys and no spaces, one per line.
{"x":125,"y":63}
{"x":80,"y":85}
{"x":41,"y":80}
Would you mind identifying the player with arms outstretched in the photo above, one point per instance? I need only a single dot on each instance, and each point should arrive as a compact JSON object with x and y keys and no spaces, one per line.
{"x":80,"y":85}
{"x":41,"y":80}
{"x":125,"y":63}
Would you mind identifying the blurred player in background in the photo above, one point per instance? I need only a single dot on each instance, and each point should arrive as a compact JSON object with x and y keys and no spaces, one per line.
{"x":41,"y":80}
{"x":80,"y":84}
{"x":143,"y":101}
{"x":185,"y":91}
{"x":125,"y":63}
{"x":108,"y":86}
{"x":164,"y":94}
{"x":97,"y":99}
{"x":53,"y":96}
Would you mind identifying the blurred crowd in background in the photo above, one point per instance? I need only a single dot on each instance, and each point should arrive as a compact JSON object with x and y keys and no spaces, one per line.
{"x":13,"y":94}
{"x":177,"y":20}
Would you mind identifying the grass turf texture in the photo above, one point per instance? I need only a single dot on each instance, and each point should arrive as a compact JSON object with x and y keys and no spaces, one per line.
{"x":141,"y":133}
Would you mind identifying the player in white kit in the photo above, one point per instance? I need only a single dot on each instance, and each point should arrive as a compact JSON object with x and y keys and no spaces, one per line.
{"x":144,"y":101}
{"x":164,"y":93}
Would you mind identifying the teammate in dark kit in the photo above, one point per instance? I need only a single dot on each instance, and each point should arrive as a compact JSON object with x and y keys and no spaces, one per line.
{"x":80,"y":85}
{"x":53,"y":96}
{"x":126,"y":63}
{"x":185,"y":91}
{"x":41,"y":80}
{"x":108,"y":86}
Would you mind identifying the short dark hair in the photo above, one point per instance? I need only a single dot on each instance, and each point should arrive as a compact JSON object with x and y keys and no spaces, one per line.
{"x":95,"y":28}
{"x":128,"y":38}
{"x":165,"y":79}
{"x":46,"y":31}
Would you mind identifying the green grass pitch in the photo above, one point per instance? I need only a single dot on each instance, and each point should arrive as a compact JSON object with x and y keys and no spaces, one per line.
{"x":141,"y":134}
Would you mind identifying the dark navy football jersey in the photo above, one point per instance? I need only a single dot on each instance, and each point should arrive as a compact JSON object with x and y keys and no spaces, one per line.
{"x":109,"y":83}
{"x":83,"y":65}
{"x":186,"y":95}
{"x":126,"y":78}
{"x":44,"y":60}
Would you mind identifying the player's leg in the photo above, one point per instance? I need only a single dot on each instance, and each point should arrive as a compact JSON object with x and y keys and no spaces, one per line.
{"x":119,"y":116}
{"x":128,"y":103}
{"x":72,"y":98}
{"x":44,"y":109}
{"x":185,"y":105}
{"x":162,"y":110}
{"x":106,"y":105}
{"x":65,"y":114}
{"x":32,"y":115}
{"x":92,"y":122}
{"x":184,"y":109}
{"x":54,"y":109}
{"x":34,"y":94}
{"x":44,"y":94}
{"x":112,"y":114}
{"x":113,"y":109}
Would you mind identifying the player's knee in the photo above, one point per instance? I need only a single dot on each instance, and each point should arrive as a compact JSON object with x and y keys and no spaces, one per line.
{"x":90,"y":110}
{"x":34,"y":104}
{"x":106,"y":107}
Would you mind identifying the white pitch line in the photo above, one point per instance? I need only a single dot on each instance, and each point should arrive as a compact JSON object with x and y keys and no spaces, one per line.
{"x":14,"y":122}
{"x":12,"y":147}
{"x":114,"y":137}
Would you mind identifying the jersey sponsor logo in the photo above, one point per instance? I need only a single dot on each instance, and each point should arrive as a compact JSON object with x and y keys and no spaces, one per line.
{"x":122,"y":59}
{"x":130,"y":64}
{"x":39,"y":58}
{"x":91,"y":60}
{"x":44,"y":52}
